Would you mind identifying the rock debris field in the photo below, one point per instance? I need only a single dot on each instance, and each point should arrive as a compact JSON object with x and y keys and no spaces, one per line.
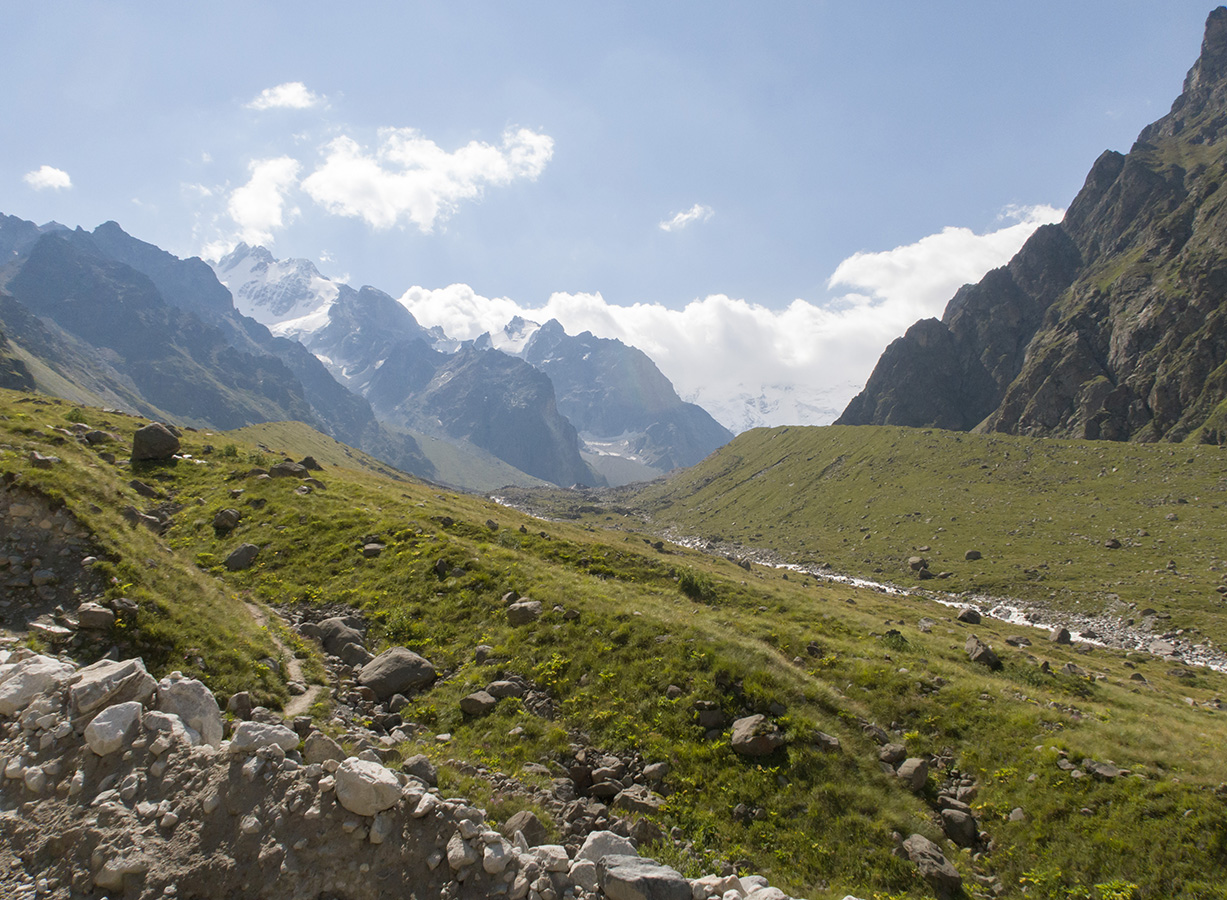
{"x":117,"y":785}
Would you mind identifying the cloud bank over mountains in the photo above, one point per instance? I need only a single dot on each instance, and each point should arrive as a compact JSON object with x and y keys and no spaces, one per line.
{"x":721,"y":346}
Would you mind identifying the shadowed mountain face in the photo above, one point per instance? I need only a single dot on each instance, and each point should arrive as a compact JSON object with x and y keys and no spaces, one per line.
{"x":608,"y":390}
{"x":1110,"y":325}
{"x":489,"y":399}
{"x":113,"y":318}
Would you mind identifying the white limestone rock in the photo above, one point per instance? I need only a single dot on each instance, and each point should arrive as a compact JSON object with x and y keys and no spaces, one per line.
{"x":22,"y":682}
{"x":194,"y":703}
{"x":366,"y":788}
{"x":112,"y":728}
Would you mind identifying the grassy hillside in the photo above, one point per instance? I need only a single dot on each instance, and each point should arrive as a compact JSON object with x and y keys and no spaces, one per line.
{"x":625,"y":618}
{"x":1043,"y":514}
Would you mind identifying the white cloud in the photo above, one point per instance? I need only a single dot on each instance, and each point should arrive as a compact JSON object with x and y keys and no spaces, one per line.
{"x":924,"y":275}
{"x":45,"y":177}
{"x":696,"y":213}
{"x":258,"y":207}
{"x":721,"y":347}
{"x":291,"y":95}
{"x":410,"y":178}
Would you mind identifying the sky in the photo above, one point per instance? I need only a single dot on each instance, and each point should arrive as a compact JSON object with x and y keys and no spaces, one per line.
{"x":757,"y":195}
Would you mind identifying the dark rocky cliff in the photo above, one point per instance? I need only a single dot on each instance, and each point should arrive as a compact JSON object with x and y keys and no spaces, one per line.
{"x":1109,"y":325}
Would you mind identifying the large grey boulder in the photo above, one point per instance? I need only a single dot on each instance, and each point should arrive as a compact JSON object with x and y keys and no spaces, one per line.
{"x":319,"y":747}
{"x":251,"y":736}
{"x":334,"y":634}
{"x":756,"y":736}
{"x":194,"y":703}
{"x":32,"y":677}
{"x":242,"y":557}
{"x":396,"y":671}
{"x":108,"y":682}
{"x":982,"y":653}
{"x":527,"y":823}
{"x":638,"y":878}
{"x":523,"y":612}
{"x":913,"y":772}
{"x":960,"y":827}
{"x":154,"y":441}
{"x":112,"y":728}
{"x":934,"y":868}
{"x":599,"y":844}
{"x":365,"y":788}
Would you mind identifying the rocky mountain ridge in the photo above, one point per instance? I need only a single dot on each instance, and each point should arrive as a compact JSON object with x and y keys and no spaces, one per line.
{"x":613,"y":395}
{"x":1109,"y":325}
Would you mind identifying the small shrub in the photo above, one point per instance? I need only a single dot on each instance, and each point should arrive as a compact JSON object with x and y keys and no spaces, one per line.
{"x":696,"y":586}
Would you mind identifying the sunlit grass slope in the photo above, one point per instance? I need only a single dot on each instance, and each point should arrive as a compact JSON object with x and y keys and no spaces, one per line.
{"x":820,"y":658}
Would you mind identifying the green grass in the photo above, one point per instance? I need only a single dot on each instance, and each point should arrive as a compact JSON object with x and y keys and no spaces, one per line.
{"x":864,"y":500}
{"x":749,"y":641}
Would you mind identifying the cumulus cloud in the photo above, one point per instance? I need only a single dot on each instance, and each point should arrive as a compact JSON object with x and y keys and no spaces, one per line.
{"x":45,"y":177}
{"x":259,"y":206}
{"x":409,"y":178}
{"x":291,"y":95}
{"x":696,"y":213}
{"x":720,"y":347}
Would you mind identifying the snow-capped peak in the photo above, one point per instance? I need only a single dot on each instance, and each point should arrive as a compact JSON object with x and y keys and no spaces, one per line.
{"x":515,"y":336}
{"x":289,"y":296}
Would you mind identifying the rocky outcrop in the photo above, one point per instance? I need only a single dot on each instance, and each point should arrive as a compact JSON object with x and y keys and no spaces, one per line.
{"x":1110,"y":325}
{"x":127,"y":798}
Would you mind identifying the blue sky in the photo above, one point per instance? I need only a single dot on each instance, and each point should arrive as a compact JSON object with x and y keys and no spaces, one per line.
{"x":796,"y":134}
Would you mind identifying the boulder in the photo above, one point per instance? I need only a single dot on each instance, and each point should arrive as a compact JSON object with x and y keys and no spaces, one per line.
{"x":523,"y":612}
{"x":23,"y":681}
{"x":170,"y":725}
{"x":365,"y":788}
{"x":154,"y":441}
{"x":251,"y":736}
{"x":226,"y":521}
{"x":242,"y":557}
{"x":94,"y":617}
{"x":112,"y":728}
{"x":756,"y":736}
{"x":288,"y":469}
{"x":334,"y":633}
{"x":396,"y":671}
{"x":934,"y":868}
{"x":600,"y":844}
{"x":528,"y":825}
{"x":972,"y":555}
{"x":960,"y":827}
{"x":981,"y":653}
{"x":319,"y":747}
{"x":1060,"y":636}
{"x":422,"y":768}
{"x":478,"y":703}
{"x":892,"y":754}
{"x":638,"y":798}
{"x":637,"y":878}
{"x":194,"y":703}
{"x":970,"y":615}
{"x":917,"y":563}
{"x":913,"y":772}
{"x":108,"y":682}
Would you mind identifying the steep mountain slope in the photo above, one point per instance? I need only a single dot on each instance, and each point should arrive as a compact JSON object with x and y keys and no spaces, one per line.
{"x":106,"y":318}
{"x":1108,"y":325}
{"x":486,"y":399}
{"x":191,"y":285}
{"x":612,"y":392}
